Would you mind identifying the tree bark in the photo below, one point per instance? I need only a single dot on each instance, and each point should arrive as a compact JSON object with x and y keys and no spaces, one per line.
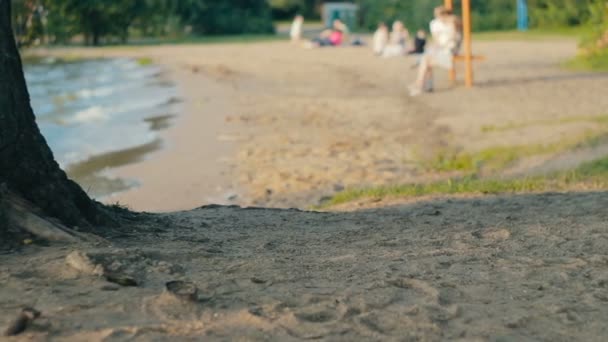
{"x":27,"y":166}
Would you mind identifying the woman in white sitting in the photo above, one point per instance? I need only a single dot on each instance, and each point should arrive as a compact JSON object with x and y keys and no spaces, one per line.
{"x":397,"y":42}
{"x":380,"y":39}
{"x":447,"y":36}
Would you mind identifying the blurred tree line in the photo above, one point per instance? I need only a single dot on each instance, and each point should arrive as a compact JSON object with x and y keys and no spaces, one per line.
{"x":486,"y":14}
{"x":101,"y":21}
{"x":97,"y":21}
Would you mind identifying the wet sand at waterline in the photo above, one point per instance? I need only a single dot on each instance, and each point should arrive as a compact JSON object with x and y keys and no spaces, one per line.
{"x":271,"y":124}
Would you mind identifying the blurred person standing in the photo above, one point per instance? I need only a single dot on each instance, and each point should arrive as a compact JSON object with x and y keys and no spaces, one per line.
{"x":296,"y":29}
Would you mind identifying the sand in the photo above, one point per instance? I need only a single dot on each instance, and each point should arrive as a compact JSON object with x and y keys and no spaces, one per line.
{"x":274,"y":125}
{"x":513,"y":268}
{"x":271,"y":125}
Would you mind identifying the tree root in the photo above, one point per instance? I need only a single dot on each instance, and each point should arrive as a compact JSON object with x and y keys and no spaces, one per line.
{"x":20,"y":215}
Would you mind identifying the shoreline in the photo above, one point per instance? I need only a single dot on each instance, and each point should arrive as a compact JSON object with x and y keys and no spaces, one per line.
{"x":190,"y":149}
{"x":189,"y":144}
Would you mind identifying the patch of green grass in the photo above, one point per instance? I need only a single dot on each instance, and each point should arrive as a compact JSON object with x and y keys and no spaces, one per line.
{"x":489,"y":159}
{"x":597,"y":168}
{"x":595,"y":61}
{"x":143,"y":61}
{"x":592,"y":175}
{"x":534,"y":34}
{"x":496,"y":158}
{"x":600,"y":119}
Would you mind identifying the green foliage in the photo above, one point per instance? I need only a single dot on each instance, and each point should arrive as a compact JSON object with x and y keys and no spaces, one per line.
{"x":99,"y":21}
{"x":558,"y":13}
{"x":415,"y":14}
{"x":227,"y":16}
{"x":486,"y":14}
{"x":598,"y":23}
{"x":596,"y":60}
{"x":594,"y":52}
{"x":493,"y":15}
{"x":102,"y":21}
{"x":287,"y":9}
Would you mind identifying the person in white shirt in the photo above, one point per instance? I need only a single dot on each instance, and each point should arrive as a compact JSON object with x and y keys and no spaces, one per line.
{"x":296,"y":29}
{"x":447,"y":34}
{"x":397,"y":41}
{"x":380,"y":39}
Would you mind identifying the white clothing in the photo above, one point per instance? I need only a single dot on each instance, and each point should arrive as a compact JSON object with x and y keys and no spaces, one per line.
{"x":296,"y":30}
{"x":398,"y":38}
{"x":444,"y":34}
{"x":397,"y":44}
{"x":446,"y":42}
{"x":393,"y":50}
{"x":379,"y":41}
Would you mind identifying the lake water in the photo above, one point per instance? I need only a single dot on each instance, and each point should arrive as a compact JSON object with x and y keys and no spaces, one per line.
{"x":100,"y":114}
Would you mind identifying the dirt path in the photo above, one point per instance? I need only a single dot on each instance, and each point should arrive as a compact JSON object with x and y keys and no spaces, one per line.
{"x":517,"y":268}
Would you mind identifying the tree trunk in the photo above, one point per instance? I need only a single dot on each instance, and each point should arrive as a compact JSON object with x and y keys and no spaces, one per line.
{"x":96,"y":37}
{"x":27,"y":166}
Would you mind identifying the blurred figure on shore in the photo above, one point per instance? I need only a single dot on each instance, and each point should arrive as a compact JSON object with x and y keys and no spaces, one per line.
{"x":380,"y":39}
{"x":397,"y":42}
{"x":333,"y":36}
{"x":339,"y":25}
{"x":296,"y":29}
{"x":419,"y":43}
{"x":447,"y":36}
{"x":437,"y":26}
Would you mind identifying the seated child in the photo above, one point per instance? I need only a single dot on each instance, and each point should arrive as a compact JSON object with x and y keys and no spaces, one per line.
{"x":419,"y":43}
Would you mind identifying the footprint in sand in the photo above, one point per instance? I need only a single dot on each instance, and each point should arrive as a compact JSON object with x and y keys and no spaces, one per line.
{"x":422,"y":287}
{"x":497,"y":234}
{"x":316,"y":317}
{"x":492,"y":235}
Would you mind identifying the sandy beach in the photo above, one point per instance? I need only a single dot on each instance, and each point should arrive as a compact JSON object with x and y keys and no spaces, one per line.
{"x":509,"y":268}
{"x":273,"y":125}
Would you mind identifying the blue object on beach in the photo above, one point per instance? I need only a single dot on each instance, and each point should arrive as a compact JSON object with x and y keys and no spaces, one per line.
{"x":522,"y":15}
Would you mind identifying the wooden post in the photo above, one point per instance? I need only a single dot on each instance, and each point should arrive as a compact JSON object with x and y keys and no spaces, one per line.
{"x":449,"y":4}
{"x":468,"y":49}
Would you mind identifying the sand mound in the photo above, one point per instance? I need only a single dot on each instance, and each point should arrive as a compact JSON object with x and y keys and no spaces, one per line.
{"x":517,"y":268}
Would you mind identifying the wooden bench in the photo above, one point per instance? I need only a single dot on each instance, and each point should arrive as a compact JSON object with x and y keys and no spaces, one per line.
{"x":461,"y":58}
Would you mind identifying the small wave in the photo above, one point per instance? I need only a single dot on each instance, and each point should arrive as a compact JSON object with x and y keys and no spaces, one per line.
{"x":97,"y":92}
{"x":92,"y":109}
{"x":91,"y":114}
